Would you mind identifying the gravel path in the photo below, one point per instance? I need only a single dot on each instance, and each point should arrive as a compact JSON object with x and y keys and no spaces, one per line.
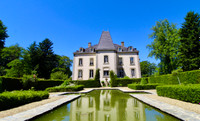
{"x":181,"y":104}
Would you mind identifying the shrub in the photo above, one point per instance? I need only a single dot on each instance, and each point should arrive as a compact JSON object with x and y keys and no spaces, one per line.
{"x":142,"y":86}
{"x":59,"y":75}
{"x":65,"y":88}
{"x":113,"y":81}
{"x":144,"y":80}
{"x":124,"y":82}
{"x":29,"y":81}
{"x":86,"y":83}
{"x":189,"y":77}
{"x":188,"y":93}
{"x":97,"y":78}
{"x":16,"y":98}
{"x":65,"y":83}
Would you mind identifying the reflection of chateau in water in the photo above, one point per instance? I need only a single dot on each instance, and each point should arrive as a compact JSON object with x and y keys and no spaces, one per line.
{"x":107,"y":105}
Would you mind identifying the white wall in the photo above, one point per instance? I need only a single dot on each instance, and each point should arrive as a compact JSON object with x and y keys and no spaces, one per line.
{"x":110,"y":66}
{"x":86,"y":66}
{"x":127,"y":66}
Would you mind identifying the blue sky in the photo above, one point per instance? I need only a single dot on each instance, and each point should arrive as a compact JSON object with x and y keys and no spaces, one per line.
{"x":71,"y":24}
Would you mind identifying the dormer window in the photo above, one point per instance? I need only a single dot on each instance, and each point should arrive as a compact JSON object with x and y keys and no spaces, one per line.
{"x":91,"y":49}
{"x":81,"y":49}
{"x":120,"y":49}
{"x":130,"y":48}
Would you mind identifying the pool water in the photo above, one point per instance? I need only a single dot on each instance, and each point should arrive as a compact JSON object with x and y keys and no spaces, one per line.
{"x":106,"y":105}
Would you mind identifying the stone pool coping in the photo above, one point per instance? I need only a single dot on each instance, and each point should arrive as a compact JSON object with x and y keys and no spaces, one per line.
{"x":165,"y":107}
{"x":32,"y":113}
{"x":175,"y":111}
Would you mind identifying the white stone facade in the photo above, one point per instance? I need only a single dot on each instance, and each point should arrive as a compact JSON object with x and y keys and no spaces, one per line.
{"x":106,"y":56}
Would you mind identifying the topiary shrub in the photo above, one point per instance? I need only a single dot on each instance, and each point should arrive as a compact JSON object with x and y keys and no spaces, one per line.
{"x":113,"y":81}
{"x":97,"y":78}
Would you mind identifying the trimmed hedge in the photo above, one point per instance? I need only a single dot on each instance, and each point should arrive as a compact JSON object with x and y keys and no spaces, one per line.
{"x":1,"y":90}
{"x":188,"y":93}
{"x":86,"y":83}
{"x":189,"y":77}
{"x":65,"y":88}
{"x":10,"y":84}
{"x":142,"y":86}
{"x":43,"y":84}
{"x":16,"y":98}
{"x":124,"y":82}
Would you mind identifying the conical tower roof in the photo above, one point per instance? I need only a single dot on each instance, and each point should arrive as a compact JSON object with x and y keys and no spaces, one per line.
{"x":105,"y":42}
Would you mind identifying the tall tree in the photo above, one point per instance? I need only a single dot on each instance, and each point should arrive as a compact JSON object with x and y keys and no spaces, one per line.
{"x":165,"y":45}
{"x":10,"y":53}
{"x":3,"y":34}
{"x":47,"y":60}
{"x":147,"y":68}
{"x":189,"y":50}
{"x":63,"y":65}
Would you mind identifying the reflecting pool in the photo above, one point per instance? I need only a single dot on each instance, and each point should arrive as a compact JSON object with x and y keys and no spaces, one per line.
{"x":106,"y":105}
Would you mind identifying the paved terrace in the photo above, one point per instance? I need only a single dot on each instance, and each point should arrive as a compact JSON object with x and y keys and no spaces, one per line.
{"x":182,"y":110}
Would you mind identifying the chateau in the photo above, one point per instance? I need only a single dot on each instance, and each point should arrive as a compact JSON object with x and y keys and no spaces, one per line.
{"x":106,"y":56}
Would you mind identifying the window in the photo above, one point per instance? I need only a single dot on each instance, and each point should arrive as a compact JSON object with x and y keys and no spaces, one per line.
{"x":91,"y":75}
{"x":80,"y":63}
{"x":91,"y":61}
{"x":91,"y":49}
{"x":131,"y":60}
{"x":105,"y":59}
{"x":132,"y":72}
{"x":121,"y":73}
{"x":80,"y":73}
{"x":130,"y":48}
{"x":120,"y":49}
{"x":120,"y":61}
{"x":81,"y":49}
{"x":106,"y":73}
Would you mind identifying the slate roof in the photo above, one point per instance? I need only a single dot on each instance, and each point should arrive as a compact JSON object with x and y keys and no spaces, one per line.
{"x":106,"y":43}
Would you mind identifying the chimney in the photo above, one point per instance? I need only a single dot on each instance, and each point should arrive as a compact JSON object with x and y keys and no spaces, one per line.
{"x":89,"y":44}
{"x":122,"y":44}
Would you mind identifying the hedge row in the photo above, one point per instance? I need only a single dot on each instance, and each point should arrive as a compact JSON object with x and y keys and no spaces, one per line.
{"x":189,"y":77}
{"x":16,"y":98}
{"x":142,"y":86}
{"x":65,"y":88}
{"x":87,"y":83}
{"x":188,"y":93}
{"x":124,"y":82}
{"x":43,"y":84}
{"x":1,"y":89}
{"x":10,"y":84}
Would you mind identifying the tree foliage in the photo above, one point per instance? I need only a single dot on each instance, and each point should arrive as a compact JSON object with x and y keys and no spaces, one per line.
{"x":147,"y":68}
{"x":189,"y":50}
{"x":3,"y":34}
{"x":165,"y":45}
